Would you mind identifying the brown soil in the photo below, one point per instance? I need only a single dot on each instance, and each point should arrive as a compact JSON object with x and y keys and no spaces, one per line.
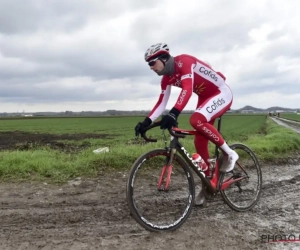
{"x":23,"y":140}
{"x":93,"y":214}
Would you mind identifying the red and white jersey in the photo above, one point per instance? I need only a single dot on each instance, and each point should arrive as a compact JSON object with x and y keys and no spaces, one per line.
{"x":191,"y":75}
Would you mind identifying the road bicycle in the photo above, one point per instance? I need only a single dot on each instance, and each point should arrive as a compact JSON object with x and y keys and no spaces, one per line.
{"x":160,"y":189}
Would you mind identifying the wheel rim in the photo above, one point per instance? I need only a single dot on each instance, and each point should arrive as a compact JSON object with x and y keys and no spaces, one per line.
{"x":243,"y":195}
{"x":160,"y":209}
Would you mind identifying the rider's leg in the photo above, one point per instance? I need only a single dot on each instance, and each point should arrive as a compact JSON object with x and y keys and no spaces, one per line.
{"x":201,"y":142}
{"x":201,"y":146}
{"x":199,"y":122}
{"x":208,"y":110}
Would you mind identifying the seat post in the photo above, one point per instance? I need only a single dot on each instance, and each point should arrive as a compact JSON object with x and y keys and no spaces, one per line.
{"x":219,"y":129}
{"x":219,"y":123}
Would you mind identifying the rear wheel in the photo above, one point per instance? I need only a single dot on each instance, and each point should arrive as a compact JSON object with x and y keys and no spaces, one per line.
{"x":160,"y":207}
{"x":244,"y":194}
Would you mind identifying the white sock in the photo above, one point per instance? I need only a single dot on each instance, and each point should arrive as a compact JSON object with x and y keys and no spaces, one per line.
{"x":226,"y":148}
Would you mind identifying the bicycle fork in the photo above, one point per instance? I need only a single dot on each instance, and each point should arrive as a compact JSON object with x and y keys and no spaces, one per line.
{"x":165,"y":175}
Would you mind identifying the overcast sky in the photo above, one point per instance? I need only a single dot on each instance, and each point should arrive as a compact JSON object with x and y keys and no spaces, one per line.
{"x":58,"y":55}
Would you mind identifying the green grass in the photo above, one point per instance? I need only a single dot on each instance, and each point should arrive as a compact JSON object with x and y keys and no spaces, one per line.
{"x":278,"y":142}
{"x":290,"y":116}
{"x":268,"y":140}
{"x":59,"y":125}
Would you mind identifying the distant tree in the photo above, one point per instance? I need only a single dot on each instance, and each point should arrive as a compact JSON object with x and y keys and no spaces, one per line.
{"x":68,"y":112}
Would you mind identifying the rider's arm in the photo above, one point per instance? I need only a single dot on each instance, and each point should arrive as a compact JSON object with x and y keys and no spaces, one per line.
{"x":187,"y":83}
{"x":161,"y":104}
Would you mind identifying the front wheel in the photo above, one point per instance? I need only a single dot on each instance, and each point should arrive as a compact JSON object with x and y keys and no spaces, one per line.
{"x":159,"y":203}
{"x":242,"y":186}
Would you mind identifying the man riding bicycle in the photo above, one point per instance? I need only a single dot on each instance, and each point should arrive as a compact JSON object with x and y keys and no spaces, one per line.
{"x":214,"y":99}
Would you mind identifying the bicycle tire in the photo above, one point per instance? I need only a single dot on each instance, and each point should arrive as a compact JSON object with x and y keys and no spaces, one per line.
{"x":141,"y":206}
{"x":246,"y":166}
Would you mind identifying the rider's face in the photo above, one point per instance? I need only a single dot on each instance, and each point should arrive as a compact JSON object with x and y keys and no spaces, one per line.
{"x":158,"y":66}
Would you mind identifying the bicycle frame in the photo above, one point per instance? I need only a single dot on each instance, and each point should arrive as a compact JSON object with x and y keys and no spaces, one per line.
{"x":212,"y":183}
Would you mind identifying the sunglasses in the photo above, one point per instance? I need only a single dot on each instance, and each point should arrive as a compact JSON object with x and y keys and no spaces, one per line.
{"x":152,"y":63}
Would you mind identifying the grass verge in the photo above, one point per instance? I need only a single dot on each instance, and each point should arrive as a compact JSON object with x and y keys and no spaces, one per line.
{"x":275,"y":143}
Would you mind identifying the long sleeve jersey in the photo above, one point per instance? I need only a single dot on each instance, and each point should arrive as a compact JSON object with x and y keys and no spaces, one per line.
{"x":191,"y":75}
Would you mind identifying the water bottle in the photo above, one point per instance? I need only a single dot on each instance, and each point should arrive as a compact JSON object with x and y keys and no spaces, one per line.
{"x":201,"y":163}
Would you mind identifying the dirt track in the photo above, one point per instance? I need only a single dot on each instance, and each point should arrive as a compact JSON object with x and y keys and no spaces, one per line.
{"x":93,"y":214}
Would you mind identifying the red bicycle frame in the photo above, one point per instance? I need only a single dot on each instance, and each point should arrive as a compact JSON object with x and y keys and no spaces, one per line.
{"x":212,"y":182}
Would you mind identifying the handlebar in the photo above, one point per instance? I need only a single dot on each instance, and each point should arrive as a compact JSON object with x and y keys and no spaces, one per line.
{"x":157,"y":124}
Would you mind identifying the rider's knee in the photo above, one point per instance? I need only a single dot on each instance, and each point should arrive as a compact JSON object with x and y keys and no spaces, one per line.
{"x":197,"y":119}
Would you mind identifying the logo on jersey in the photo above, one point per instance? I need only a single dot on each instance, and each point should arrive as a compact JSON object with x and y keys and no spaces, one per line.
{"x":163,"y":92}
{"x":209,"y":73}
{"x":215,"y":106}
{"x":177,"y":83}
{"x":207,"y":131}
{"x":199,"y":89}
{"x":186,"y":76}
{"x":199,"y":123}
{"x":210,"y":133}
{"x":179,"y":64}
{"x":181,"y":97}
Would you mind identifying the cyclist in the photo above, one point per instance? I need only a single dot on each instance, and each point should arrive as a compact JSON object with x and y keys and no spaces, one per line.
{"x":214,"y":99}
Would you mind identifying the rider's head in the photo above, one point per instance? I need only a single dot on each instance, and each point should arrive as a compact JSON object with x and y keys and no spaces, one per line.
{"x":159,"y":59}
